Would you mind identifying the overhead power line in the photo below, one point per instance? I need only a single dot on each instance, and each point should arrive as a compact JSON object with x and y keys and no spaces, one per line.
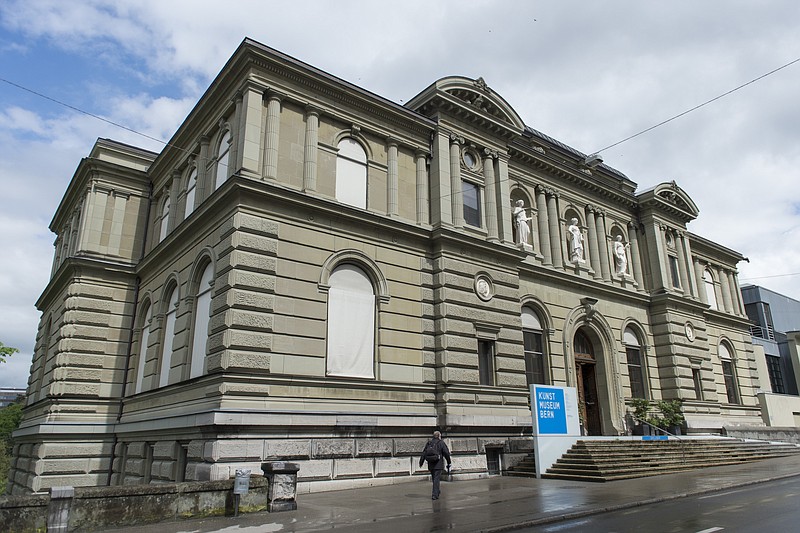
{"x":165,"y":143}
{"x":679,"y":115}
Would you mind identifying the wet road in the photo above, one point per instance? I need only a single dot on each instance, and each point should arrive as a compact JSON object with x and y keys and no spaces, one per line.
{"x":764,"y":508}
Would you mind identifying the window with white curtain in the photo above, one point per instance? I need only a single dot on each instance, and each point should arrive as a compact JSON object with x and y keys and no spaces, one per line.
{"x":169,"y":336}
{"x":144,"y":340}
{"x":202,"y":313}
{"x":223,"y":153}
{"x":191,"y":190}
{"x":351,"y":173}
{"x":351,"y":323}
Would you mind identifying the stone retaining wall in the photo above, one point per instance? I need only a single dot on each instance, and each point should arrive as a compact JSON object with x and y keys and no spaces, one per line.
{"x":70,"y":509}
{"x":787,"y":434}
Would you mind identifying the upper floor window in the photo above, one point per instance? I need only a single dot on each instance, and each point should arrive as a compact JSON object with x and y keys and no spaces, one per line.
{"x":533,"y":341}
{"x":164,"y":219}
{"x":775,"y":374}
{"x":351,"y":323}
{"x":633,"y":353}
{"x":711,"y":293}
{"x":191,"y":191}
{"x":471,"y":194}
{"x":169,"y":337}
{"x":729,"y":373}
{"x":351,"y":173}
{"x":202,"y":313}
{"x":673,"y":272}
{"x":144,"y":341}
{"x":486,"y":362}
{"x":223,"y":154}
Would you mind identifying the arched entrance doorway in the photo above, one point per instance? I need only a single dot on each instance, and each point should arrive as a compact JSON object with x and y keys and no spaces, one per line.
{"x":586,"y":377}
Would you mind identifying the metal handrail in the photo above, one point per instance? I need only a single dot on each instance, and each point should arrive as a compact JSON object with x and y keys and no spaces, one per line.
{"x":667,"y":433}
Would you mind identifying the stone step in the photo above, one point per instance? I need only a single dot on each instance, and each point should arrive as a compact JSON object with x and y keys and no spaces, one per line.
{"x":608,"y":460}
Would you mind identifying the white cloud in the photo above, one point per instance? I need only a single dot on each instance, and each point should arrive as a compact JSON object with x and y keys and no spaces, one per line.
{"x":586,"y":73}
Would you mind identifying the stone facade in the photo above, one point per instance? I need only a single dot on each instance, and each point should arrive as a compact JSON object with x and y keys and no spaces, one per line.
{"x":206,"y":310}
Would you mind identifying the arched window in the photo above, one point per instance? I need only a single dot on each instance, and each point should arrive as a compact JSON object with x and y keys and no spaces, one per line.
{"x":583,"y":347}
{"x":202,"y":313}
{"x":533,"y":340}
{"x":711,"y":294}
{"x":169,"y":336}
{"x":144,"y":340}
{"x":351,"y":173}
{"x":351,"y":323}
{"x":164,"y":222}
{"x":728,"y":373}
{"x":633,"y":352}
{"x":191,"y":190}
{"x":223,"y":153}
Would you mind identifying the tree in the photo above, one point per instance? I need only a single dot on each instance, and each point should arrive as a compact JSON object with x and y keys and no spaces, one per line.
{"x":6,"y":351}
{"x":10,"y":417}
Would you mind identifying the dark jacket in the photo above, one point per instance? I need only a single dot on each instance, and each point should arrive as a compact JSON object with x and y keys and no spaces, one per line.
{"x":444,"y":454}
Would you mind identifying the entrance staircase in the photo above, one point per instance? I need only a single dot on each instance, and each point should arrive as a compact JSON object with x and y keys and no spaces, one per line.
{"x":609,"y":459}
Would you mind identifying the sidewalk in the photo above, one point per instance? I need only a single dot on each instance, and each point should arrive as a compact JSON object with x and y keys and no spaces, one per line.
{"x":490,"y":505}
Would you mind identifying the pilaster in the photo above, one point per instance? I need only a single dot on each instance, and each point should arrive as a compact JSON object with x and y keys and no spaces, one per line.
{"x":310,"y":150}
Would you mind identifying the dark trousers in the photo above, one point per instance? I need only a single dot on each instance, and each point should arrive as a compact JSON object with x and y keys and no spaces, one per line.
{"x":436,"y":477}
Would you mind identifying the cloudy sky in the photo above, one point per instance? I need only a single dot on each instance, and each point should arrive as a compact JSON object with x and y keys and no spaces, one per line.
{"x":589,"y":73}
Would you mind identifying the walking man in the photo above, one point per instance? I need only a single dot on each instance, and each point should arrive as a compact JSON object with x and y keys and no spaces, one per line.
{"x":435,"y":453}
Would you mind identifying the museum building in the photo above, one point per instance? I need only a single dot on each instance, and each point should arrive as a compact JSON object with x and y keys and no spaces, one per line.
{"x":310,"y":272}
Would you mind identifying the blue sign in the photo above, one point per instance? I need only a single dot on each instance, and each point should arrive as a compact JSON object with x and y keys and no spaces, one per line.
{"x":551,"y":413}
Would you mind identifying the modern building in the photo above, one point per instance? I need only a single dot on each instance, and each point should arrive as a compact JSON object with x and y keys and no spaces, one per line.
{"x":310,"y":272}
{"x":775,"y":326}
{"x":9,"y":395}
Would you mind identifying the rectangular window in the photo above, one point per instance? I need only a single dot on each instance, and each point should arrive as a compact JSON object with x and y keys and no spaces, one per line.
{"x":698,"y":383}
{"x":635,"y":373}
{"x":472,"y":203}
{"x":149,"y":451}
{"x":673,"y":271}
{"x":181,"y":463}
{"x":775,"y":374}
{"x":730,"y":381}
{"x":486,"y":362}
{"x":493,"y":460}
{"x":534,"y":358}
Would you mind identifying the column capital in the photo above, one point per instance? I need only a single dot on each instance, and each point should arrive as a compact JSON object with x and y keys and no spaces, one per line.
{"x":392,"y":142}
{"x":489,"y":154}
{"x":456,"y":139}
{"x":312,"y":110}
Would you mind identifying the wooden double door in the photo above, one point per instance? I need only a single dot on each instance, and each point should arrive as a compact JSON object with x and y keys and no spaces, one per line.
{"x":586,"y":378}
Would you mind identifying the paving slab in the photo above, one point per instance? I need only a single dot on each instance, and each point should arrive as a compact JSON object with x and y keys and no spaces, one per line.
{"x":493,"y":504}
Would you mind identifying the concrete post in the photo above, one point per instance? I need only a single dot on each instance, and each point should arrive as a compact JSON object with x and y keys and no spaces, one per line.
{"x":282,"y":477}
{"x":58,"y":509}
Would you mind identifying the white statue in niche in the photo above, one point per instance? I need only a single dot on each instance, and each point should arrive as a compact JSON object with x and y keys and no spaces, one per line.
{"x":521,"y":221}
{"x":621,"y":256}
{"x":576,"y":241}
